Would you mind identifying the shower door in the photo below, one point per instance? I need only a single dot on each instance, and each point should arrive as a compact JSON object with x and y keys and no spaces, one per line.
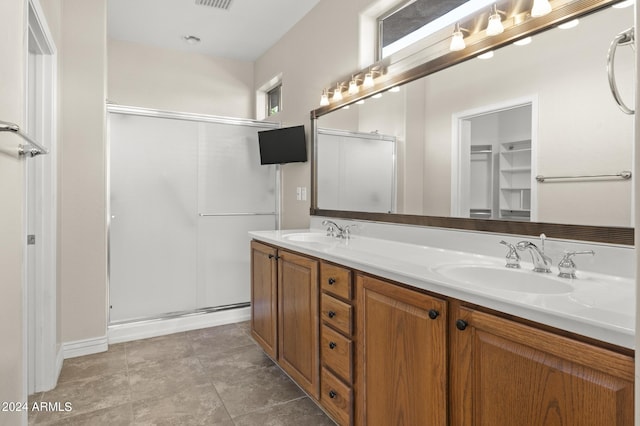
{"x":184,"y":192}
{"x":358,"y":171}
{"x":235,"y":195}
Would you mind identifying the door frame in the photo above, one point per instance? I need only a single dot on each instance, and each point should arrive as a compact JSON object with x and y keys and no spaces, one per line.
{"x":43,"y":354}
{"x":458,"y":152}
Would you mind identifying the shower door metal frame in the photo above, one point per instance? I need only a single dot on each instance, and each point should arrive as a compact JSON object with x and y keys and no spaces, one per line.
{"x":186,"y":116}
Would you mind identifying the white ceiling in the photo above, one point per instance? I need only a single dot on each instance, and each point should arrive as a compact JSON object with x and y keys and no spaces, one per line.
{"x":245,"y":31}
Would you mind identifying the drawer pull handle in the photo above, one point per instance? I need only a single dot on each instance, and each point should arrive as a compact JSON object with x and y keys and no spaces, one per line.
{"x":332,"y":394}
{"x":331,"y":281}
{"x":461,"y":324}
{"x":332,"y":345}
{"x":433,"y":314}
{"x":331,"y":314}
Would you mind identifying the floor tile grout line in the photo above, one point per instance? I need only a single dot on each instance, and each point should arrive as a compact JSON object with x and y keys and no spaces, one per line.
{"x":239,"y":330}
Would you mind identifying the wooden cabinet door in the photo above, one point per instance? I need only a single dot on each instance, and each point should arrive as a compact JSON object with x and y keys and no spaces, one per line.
{"x":298,"y":320}
{"x":507,"y":373}
{"x":264,"y":297}
{"x":401,"y":375}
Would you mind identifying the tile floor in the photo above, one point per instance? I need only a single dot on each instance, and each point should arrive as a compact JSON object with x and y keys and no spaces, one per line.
{"x":215,"y":376}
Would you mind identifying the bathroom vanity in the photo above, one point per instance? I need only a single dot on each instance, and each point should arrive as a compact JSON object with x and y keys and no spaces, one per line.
{"x":379,"y":332}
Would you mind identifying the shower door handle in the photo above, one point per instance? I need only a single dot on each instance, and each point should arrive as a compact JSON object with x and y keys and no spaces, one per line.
{"x":624,"y":38}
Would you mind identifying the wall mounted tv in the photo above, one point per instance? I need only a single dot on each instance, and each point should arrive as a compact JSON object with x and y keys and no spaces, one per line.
{"x":285,"y":145}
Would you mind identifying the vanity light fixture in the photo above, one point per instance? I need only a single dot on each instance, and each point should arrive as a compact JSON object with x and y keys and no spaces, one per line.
{"x":377,"y":96}
{"x":324,"y":98}
{"x":368,"y":83}
{"x":394,"y":89}
{"x":570,"y":24}
{"x":540,"y":8}
{"x":353,"y":86}
{"x":337,"y":93}
{"x":368,"y":80}
{"x":486,"y":55}
{"x":495,"y":27}
{"x":360,"y":102}
{"x":457,"y":39}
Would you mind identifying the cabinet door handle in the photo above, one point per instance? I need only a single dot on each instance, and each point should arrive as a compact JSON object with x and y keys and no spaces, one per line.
{"x":331,"y":281}
{"x":271,"y":256}
{"x":461,"y":324}
{"x":331,"y":314}
{"x":332,"y":345}
{"x":332,"y":394}
{"x":433,"y":314}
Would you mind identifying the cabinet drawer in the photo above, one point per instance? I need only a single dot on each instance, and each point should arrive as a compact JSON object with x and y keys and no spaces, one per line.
{"x":337,"y":352}
{"x":337,"y":313}
{"x":336,"y":398}
{"x":336,"y":280}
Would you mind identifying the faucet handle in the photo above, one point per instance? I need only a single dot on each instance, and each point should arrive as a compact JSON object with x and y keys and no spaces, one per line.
{"x":346,"y":230}
{"x":512,"y":257}
{"x":331,"y":232}
{"x":567,"y":267}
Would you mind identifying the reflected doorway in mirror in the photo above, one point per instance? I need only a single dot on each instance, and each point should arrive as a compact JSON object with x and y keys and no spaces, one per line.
{"x":493,"y":158}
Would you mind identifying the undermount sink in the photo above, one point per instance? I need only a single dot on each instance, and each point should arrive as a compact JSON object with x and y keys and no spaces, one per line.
{"x":501,"y":278}
{"x":311,"y":237}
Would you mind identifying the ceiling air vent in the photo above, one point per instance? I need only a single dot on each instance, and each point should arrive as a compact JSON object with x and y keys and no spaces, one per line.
{"x":218,"y":4}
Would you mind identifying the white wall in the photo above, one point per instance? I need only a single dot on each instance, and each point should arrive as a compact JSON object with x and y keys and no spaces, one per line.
{"x":173,"y":80}
{"x":13,"y":45}
{"x":82,"y":182}
{"x":323,"y":47}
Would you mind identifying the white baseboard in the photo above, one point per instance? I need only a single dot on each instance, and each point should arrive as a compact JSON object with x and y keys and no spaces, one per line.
{"x":85,"y":347}
{"x":159,"y":327}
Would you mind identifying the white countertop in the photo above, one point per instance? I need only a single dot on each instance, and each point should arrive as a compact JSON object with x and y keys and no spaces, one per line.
{"x":596,"y":305}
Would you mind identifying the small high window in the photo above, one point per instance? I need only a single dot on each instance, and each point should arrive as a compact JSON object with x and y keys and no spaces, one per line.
{"x":274,"y":100}
{"x":413,"y":20}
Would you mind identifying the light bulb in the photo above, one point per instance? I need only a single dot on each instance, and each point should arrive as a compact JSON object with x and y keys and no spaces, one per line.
{"x":394,"y":89}
{"x":324,"y":99}
{"x":368,"y":80}
{"x":337,"y":95}
{"x":377,"y":96}
{"x":353,"y":87}
{"x":487,"y":55}
{"x":540,"y":8}
{"x":494,"y":27}
{"x":457,"y":41}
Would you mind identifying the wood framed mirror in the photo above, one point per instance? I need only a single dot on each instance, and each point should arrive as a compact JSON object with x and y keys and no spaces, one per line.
{"x":461,"y":143}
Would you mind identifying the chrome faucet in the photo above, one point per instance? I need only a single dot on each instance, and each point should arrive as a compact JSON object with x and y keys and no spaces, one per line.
{"x":541,"y":262}
{"x":335,"y":230}
{"x":332,"y":227}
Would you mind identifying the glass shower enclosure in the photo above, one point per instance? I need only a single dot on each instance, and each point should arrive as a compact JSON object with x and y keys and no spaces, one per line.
{"x":185,"y":189}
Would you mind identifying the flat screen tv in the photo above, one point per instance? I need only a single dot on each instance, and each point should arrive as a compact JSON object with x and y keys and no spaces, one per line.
{"x":286,"y":145}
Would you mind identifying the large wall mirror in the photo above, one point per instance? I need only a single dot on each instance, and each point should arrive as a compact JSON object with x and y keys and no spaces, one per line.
{"x":526,"y":141}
